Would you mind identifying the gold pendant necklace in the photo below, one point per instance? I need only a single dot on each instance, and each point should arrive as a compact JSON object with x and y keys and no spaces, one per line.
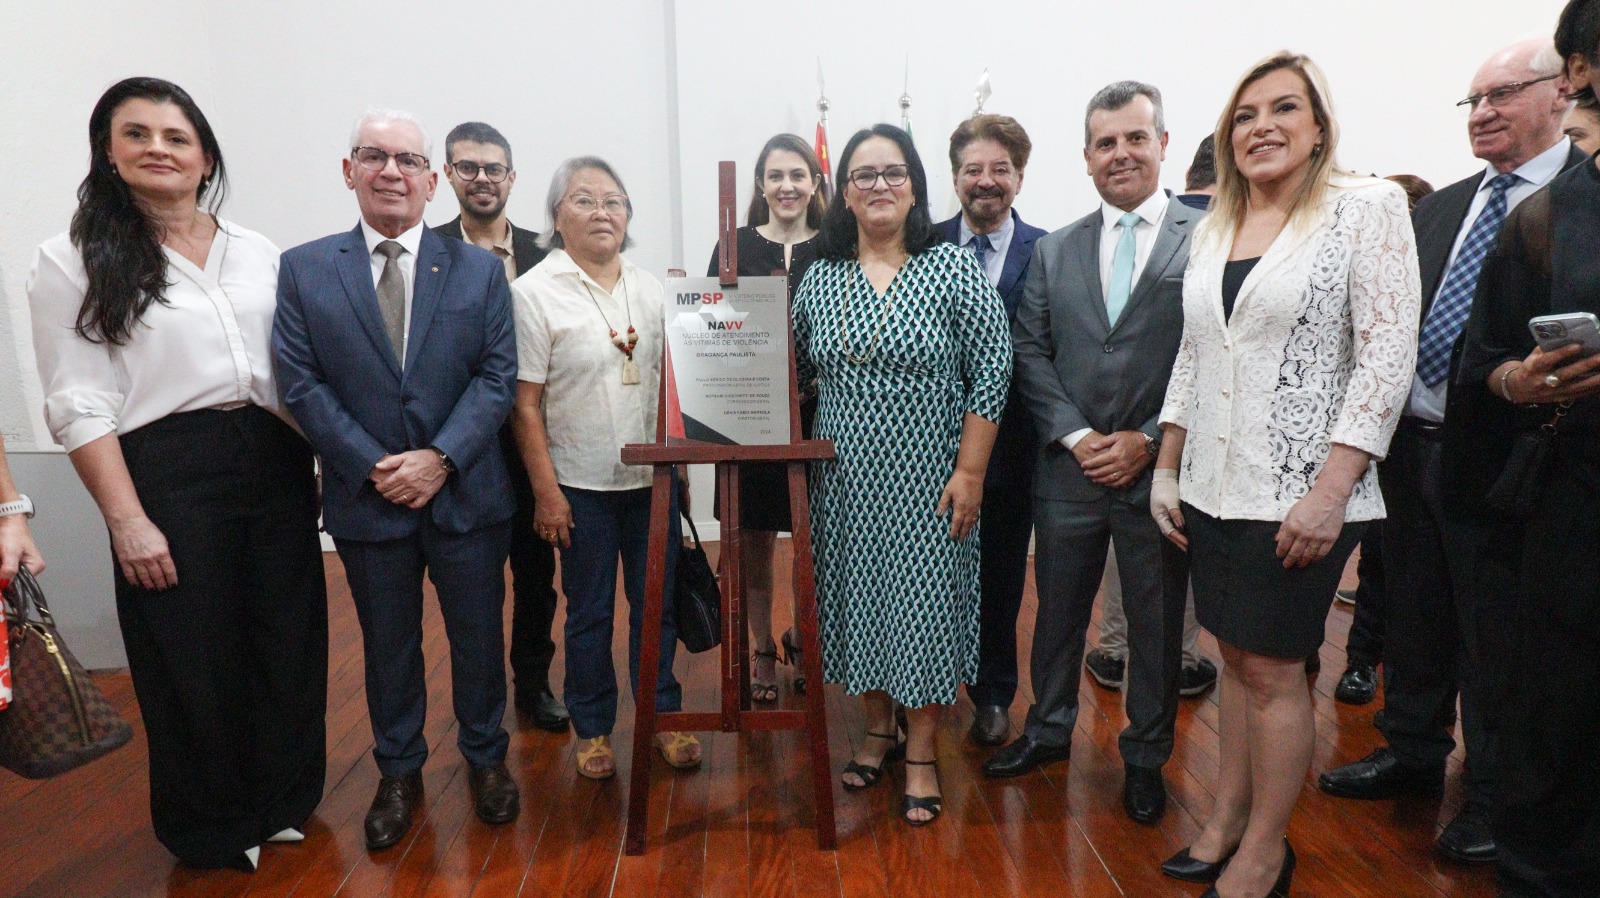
{"x":877,"y":332}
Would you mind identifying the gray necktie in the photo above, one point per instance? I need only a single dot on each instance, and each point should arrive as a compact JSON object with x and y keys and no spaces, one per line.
{"x":392,"y":297}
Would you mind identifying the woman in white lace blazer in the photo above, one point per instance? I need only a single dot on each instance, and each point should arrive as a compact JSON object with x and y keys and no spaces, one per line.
{"x":1300,"y":316}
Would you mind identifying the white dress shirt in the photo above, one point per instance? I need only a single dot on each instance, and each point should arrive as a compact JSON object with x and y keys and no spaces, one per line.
{"x":209,"y":345}
{"x":410,"y":242}
{"x":999,"y":240}
{"x":1428,"y":402}
{"x":1151,"y":213}
{"x":1320,"y":349}
{"x":563,"y":342}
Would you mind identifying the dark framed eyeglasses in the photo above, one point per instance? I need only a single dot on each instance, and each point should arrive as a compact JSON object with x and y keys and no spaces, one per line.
{"x":468,"y":171}
{"x":1499,"y":96}
{"x":374,"y":159}
{"x":867,"y":178}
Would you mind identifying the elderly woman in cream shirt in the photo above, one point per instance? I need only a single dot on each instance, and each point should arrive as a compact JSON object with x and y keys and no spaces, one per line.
{"x":589,"y":332}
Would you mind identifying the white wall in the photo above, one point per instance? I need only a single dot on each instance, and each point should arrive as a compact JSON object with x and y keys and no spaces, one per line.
{"x":1396,"y":69}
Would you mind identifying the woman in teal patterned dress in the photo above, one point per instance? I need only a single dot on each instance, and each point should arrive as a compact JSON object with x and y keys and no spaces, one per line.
{"x":908,"y":345}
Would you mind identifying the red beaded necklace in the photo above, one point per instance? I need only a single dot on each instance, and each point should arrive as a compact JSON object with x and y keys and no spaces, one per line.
{"x":625,"y":344}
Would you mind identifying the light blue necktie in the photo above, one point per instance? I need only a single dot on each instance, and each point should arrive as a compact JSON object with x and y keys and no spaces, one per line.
{"x":981,"y":246}
{"x":1122,"y":268}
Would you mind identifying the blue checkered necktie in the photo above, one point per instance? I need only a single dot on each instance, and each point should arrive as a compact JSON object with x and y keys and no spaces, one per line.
{"x":981,"y":247}
{"x":1450,"y":308}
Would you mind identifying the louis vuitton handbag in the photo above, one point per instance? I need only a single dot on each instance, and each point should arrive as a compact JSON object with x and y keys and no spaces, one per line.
{"x":58,"y":719}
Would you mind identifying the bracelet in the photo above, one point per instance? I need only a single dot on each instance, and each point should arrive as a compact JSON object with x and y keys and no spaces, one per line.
{"x":1504,"y":392}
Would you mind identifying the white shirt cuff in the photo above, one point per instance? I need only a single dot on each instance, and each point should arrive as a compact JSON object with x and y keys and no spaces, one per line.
{"x":1071,"y":440}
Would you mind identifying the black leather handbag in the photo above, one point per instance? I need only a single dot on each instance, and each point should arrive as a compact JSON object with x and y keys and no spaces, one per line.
{"x":696,"y":601}
{"x":58,"y":719}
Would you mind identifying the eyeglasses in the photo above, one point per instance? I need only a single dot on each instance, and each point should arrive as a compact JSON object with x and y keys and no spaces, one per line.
{"x":468,"y":171}
{"x":867,"y":178}
{"x":615,"y":205}
{"x":1501,"y":95}
{"x":374,"y":159}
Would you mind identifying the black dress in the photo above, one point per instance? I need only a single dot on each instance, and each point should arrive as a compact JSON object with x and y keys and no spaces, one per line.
{"x":1538,"y":583}
{"x":764,"y":486}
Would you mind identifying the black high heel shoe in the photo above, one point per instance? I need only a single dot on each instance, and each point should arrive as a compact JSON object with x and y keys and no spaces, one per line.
{"x":1280,"y":889}
{"x":792,"y":655}
{"x":869,"y":774}
{"x":1185,"y":867}
{"x":933,"y":804}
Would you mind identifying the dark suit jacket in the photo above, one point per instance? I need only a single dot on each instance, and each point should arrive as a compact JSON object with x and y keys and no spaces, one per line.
{"x":524,"y":248}
{"x":1015,"y":272}
{"x":1010,"y":471}
{"x":343,"y":384}
{"x":1074,"y":369}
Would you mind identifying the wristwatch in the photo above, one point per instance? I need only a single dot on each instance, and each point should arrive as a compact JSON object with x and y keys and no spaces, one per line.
{"x":449,"y":466}
{"x":1152,"y":446}
{"x":23,"y":506}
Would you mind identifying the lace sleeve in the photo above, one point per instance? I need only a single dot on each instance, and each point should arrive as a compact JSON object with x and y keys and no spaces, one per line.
{"x":1385,"y":295}
{"x":1179,"y":404}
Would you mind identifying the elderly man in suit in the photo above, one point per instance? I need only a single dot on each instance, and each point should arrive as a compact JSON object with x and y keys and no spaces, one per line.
{"x":988,"y":154}
{"x":1515,"y":108}
{"x":477,"y":163}
{"x":395,"y":353}
{"x":1096,"y":336}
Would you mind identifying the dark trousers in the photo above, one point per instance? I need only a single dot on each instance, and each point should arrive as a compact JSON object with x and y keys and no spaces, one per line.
{"x":1069,"y":561}
{"x":1364,"y":645}
{"x":1431,"y":653}
{"x":608,"y":525}
{"x":230,"y":666}
{"x":468,"y":573}
{"x":1540,"y":629}
{"x":533,"y":590}
{"x":1007,"y":516}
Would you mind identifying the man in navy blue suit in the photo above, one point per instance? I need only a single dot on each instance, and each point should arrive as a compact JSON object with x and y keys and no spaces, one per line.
{"x":396,"y":354}
{"x":987,"y":156}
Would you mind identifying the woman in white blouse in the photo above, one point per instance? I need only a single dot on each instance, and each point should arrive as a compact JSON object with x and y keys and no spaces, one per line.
{"x":1300,"y":314}
{"x":589,"y":332}
{"x":151,"y":321}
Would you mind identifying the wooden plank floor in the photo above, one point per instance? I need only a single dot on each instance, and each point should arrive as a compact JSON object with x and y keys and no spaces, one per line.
{"x":740,"y":826}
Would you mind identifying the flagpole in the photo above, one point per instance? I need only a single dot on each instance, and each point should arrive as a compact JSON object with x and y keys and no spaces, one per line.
{"x":821,"y":147}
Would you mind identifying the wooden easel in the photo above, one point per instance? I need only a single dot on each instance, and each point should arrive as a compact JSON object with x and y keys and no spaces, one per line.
{"x":736,"y":714}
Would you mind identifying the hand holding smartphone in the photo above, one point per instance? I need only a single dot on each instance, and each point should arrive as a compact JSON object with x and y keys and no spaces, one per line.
{"x":1552,"y":332}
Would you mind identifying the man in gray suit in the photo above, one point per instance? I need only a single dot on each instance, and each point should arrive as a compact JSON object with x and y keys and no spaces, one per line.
{"x":1096,"y":335}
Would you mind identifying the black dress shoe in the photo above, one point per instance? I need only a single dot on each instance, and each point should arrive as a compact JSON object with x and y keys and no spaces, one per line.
{"x":543,"y":710}
{"x":390,"y":814}
{"x":1381,"y":775}
{"x":1358,"y":685}
{"x":1468,"y":838}
{"x":1197,"y":679}
{"x":1024,"y":756}
{"x":1280,"y":889}
{"x":1144,"y":795}
{"x":1184,"y":866}
{"x":991,"y":725}
{"x":494,"y":793}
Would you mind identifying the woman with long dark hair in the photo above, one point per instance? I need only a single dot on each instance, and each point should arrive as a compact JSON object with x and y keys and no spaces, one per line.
{"x":908,"y":344}
{"x":780,"y":234}
{"x":152,"y":319}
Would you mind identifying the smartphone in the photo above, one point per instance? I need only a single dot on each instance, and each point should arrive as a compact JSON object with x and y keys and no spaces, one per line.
{"x":1555,"y":331}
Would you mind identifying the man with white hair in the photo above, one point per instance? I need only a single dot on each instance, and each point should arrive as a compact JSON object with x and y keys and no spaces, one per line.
{"x":1514,"y":110}
{"x":395,"y":352}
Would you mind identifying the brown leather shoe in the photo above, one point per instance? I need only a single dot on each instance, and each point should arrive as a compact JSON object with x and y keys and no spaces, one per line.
{"x":494,"y":793}
{"x":389,"y":817}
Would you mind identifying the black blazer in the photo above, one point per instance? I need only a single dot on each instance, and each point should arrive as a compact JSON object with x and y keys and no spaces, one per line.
{"x":523,"y":246}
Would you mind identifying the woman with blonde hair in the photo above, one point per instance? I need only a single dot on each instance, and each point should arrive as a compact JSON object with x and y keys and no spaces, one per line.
{"x":1300,"y":303}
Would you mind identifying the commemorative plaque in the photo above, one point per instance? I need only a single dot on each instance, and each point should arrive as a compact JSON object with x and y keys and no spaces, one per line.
{"x":728,"y":358}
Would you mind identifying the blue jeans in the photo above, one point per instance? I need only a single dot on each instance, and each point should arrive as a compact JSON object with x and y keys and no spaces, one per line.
{"x":607,"y":524}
